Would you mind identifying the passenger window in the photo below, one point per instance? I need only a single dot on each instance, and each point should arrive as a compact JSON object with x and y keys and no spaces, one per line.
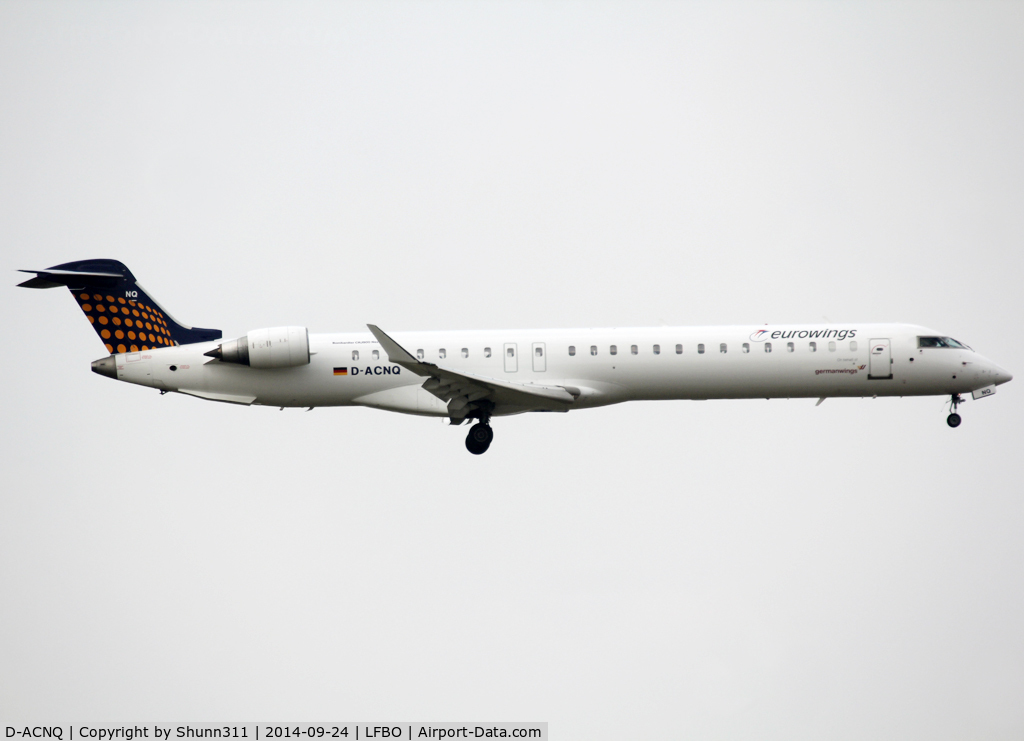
{"x":746,"y":347}
{"x":790,"y":346}
{"x":831,"y":346}
{"x":355,"y":355}
{"x":419,"y":354}
{"x":465,"y":352}
{"x":633,"y":349}
{"x":723,"y":348}
{"x":539,"y":352}
{"x":679,"y":349}
{"x":487,"y":352}
{"x":813,"y":346}
{"x":441,"y":353}
{"x":376,"y":354}
{"x":767,"y":347}
{"x":593,"y":349}
{"x":657,"y":349}
{"x":511,"y":352}
{"x":613,"y":349}
{"x":853,"y":345}
{"x":572,"y":350}
{"x":700,"y":349}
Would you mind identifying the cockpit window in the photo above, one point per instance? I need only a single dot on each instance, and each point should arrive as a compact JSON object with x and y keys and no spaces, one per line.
{"x":940,"y":342}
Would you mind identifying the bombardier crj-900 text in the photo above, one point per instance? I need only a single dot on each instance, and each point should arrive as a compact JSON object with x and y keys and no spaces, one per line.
{"x":479,"y":375}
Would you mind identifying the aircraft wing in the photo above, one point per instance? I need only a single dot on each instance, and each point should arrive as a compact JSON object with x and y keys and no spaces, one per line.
{"x":466,"y":392}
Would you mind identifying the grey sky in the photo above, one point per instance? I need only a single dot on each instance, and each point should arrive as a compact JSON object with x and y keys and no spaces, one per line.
{"x":683,"y":570}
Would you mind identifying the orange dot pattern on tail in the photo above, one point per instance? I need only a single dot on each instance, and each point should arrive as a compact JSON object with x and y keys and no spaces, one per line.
{"x":156,"y":336}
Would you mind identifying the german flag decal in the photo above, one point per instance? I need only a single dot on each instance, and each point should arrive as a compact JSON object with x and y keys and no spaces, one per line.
{"x":341,"y":371}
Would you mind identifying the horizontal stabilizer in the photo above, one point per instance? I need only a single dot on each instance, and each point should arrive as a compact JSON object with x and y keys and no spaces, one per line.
{"x":38,"y":282}
{"x":72,"y":279}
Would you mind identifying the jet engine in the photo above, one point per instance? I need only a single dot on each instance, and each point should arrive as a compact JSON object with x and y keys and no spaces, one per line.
{"x":277,"y":347}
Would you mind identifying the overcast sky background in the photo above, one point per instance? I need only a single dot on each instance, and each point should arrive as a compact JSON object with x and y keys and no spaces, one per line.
{"x":711,"y":570}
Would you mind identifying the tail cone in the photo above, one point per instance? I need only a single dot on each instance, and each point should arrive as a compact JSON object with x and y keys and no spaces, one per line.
{"x":233,"y":351}
{"x":105,"y":367}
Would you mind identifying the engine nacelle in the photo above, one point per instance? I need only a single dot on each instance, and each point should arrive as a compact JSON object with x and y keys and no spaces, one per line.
{"x":277,"y":347}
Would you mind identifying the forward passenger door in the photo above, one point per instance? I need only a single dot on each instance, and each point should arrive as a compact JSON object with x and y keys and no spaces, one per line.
{"x":880,"y":360}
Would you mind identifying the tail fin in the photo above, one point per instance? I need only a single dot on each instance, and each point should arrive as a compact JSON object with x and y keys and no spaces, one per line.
{"x":125,"y":317}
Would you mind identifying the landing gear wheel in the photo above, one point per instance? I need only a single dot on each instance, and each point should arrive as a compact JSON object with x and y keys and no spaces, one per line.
{"x":953,"y":420}
{"x":479,"y":438}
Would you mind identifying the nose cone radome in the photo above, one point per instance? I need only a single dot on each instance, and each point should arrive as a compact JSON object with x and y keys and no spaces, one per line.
{"x":105,"y":367}
{"x":1002,"y":375}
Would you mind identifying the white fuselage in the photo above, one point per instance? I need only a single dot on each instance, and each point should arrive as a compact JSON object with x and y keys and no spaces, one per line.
{"x":605,"y":366}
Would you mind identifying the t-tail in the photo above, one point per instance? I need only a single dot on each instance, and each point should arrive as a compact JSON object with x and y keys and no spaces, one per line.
{"x":125,"y":317}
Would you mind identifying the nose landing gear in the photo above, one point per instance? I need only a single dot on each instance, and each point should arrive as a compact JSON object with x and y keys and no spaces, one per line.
{"x":479,"y":438}
{"x":953,"y":420}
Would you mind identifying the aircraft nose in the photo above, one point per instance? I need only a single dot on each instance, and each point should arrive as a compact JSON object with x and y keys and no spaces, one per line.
{"x":1002,"y":376}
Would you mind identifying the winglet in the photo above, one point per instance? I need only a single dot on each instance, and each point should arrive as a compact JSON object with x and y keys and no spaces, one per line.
{"x":396,"y":353}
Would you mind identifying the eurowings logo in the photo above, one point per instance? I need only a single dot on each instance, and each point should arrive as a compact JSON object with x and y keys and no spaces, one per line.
{"x":812,"y":334}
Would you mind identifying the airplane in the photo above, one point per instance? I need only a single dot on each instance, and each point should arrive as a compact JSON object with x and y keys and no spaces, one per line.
{"x":482,"y":374}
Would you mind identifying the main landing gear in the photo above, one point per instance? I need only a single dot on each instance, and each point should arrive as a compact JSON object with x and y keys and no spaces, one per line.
{"x":480,"y":435}
{"x":479,"y":438}
{"x":953,"y":420}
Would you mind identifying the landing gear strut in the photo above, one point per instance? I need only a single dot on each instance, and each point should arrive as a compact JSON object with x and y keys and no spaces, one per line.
{"x":479,"y":438}
{"x":953,"y":420}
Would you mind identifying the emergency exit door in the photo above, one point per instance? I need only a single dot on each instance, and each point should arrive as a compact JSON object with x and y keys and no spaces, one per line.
{"x":880,"y":360}
{"x":540,"y":363}
{"x":511,"y":361}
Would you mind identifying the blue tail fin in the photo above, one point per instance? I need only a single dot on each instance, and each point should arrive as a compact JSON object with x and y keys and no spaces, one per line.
{"x":125,"y":317}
